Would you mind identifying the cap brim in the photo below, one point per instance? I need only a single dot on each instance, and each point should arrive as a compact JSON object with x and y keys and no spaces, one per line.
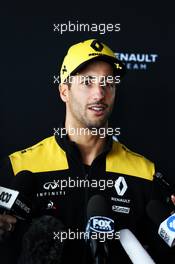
{"x":121,"y":72}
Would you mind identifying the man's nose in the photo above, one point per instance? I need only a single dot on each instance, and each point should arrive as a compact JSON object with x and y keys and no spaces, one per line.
{"x":98,"y":91}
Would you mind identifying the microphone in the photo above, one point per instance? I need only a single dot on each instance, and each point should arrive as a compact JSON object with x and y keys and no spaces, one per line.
{"x":133,"y":248}
{"x":17,"y":200}
{"x":160,"y":179}
{"x":163,"y":217}
{"x":98,"y":228}
{"x":39,"y":245}
{"x":100,"y":222}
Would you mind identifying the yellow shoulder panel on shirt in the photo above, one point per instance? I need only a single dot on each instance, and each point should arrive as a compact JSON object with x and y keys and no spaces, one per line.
{"x":44,"y":156}
{"x":122,"y":160}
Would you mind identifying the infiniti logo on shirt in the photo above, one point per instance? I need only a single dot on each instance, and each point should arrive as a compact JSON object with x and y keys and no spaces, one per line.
{"x":50,"y":185}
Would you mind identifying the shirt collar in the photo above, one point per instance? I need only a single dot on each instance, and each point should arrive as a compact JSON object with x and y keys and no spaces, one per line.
{"x":71,"y":147}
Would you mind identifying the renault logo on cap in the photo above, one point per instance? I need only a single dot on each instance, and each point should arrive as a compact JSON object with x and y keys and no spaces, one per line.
{"x":96,"y":45}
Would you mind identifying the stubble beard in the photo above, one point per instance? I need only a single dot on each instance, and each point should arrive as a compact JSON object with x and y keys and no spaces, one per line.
{"x":85,"y":121}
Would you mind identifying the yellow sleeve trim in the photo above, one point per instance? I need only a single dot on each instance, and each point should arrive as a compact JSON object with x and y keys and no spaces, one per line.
{"x":42,"y":157}
{"x":122,"y":160}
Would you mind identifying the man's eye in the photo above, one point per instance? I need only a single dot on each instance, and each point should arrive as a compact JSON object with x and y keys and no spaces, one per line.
{"x":87,"y":82}
{"x":110,"y":85}
{"x":107,"y":85}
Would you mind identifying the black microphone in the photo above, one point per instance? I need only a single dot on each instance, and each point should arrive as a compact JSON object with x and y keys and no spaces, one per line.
{"x":164,"y":218}
{"x":17,"y":200}
{"x":99,"y":226}
{"x":39,"y":244}
{"x":160,"y":179}
{"x":100,"y":222}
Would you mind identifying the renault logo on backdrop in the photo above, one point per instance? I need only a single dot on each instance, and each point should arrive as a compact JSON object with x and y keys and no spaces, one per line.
{"x":120,"y":186}
{"x":137,"y":61}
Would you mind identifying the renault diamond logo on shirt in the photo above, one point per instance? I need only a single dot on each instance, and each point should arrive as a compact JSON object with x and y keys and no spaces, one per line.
{"x":120,"y":186}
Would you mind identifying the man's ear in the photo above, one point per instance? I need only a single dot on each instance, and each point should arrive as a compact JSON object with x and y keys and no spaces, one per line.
{"x":63,"y":89}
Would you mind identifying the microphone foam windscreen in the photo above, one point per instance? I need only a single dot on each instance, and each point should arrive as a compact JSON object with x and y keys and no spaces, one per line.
{"x":24,"y":182}
{"x":39,"y":246}
{"x":97,"y":206}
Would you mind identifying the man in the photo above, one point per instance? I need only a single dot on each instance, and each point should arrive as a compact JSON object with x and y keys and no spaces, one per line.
{"x":89,"y":84}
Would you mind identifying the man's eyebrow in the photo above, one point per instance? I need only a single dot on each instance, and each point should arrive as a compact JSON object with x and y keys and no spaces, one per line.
{"x":88,"y":76}
{"x":92,"y":77}
{"x":96,"y":77}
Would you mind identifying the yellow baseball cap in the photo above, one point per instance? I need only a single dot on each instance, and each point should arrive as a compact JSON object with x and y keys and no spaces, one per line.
{"x":81,"y":53}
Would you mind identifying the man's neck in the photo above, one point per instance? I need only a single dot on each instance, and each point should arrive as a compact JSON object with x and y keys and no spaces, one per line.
{"x":90,"y":145}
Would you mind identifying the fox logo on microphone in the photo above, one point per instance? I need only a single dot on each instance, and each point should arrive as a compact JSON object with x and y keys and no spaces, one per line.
{"x":101,"y":224}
